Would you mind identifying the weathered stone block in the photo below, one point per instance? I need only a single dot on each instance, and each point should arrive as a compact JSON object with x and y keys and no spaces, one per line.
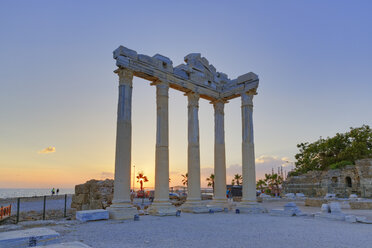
{"x":246,"y":77}
{"x":123,"y":51}
{"x":75,"y":244}
{"x":89,"y":215}
{"x":281,"y":212}
{"x":28,"y":238}
{"x":350,"y":218}
{"x":335,"y":207}
{"x":325,"y":208}
{"x":313,"y":202}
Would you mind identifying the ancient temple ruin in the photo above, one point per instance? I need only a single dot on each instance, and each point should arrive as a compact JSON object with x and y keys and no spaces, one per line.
{"x":197,"y":79}
{"x":352,"y":179}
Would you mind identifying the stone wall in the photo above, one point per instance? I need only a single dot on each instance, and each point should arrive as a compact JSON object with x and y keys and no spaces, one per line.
{"x":352,"y":179}
{"x":93,"y":194}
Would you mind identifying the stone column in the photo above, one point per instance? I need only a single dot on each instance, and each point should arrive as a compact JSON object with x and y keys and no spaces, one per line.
{"x":161,"y":204}
{"x":121,"y":207}
{"x":248,"y":158}
{"x":219,"y":153}
{"x":193,"y":152}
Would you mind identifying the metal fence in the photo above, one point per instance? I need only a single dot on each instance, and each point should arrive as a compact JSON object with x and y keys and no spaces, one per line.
{"x":38,"y":205}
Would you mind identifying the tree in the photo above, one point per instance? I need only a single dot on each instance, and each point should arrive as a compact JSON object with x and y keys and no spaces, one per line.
{"x":185,"y":179}
{"x":334,"y":152}
{"x":237,"y":179}
{"x":261,"y":185}
{"x":210,"y":181}
{"x":141,"y":179}
{"x":273,"y":182}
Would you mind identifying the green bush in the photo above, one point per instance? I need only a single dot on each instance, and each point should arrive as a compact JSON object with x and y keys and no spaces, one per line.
{"x":321,"y":154}
{"x":340,"y":164}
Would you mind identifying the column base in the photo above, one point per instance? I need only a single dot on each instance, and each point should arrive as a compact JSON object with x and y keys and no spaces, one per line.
{"x":122,"y":211}
{"x":196,"y":207}
{"x":250,"y":207}
{"x":162,"y":209}
{"x":218,"y":205}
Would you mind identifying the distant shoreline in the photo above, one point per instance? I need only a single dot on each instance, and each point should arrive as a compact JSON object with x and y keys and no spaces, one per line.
{"x":13,"y":200}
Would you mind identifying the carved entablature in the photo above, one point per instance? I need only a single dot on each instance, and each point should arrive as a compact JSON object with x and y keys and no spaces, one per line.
{"x":196,"y":75}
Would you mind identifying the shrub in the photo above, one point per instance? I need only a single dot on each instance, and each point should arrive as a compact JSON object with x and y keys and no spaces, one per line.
{"x":340,"y":164}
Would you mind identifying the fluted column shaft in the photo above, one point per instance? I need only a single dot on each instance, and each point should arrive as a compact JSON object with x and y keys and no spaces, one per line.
{"x":248,"y":158}
{"x":123,"y":138}
{"x":219,"y":152}
{"x":193,"y":156}
{"x":162,"y":140}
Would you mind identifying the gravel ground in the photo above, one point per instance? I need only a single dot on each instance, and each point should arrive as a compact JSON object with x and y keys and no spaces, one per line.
{"x":219,"y":230}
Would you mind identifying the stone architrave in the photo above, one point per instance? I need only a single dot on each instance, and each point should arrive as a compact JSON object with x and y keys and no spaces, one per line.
{"x":161,"y":205}
{"x":193,"y":203}
{"x":122,"y":207}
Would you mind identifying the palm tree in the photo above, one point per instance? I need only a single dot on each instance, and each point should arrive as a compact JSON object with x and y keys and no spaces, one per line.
{"x":261,"y":185}
{"x":185,"y":179}
{"x":141,"y":179}
{"x":237,"y":179}
{"x":273,"y":182}
{"x":210,"y":181}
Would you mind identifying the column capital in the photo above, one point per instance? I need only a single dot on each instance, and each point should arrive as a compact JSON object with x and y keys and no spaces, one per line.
{"x":193,"y":99}
{"x":162,"y":88}
{"x":125,"y":76}
{"x":247,"y":99}
{"x":219,"y":105}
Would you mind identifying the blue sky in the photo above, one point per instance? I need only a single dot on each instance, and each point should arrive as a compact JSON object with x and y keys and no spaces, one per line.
{"x":314,"y":60}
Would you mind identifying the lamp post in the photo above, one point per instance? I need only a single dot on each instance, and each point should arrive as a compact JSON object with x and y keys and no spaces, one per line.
{"x":134,"y":176}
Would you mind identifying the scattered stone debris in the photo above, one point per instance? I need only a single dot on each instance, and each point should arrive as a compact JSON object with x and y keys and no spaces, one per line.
{"x":89,"y":215}
{"x":290,"y":209}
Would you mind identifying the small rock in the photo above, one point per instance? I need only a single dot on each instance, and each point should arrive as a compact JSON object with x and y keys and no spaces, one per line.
{"x":330,"y":196}
{"x":350,"y":218}
{"x":301,"y":195}
{"x":335,"y":207}
{"x":325,"y":208}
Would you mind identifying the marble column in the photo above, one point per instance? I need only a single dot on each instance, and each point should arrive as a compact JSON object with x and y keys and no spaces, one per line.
{"x":161,"y":204}
{"x":219,"y":153}
{"x":121,"y":207}
{"x":248,"y":158}
{"x":193,"y":151}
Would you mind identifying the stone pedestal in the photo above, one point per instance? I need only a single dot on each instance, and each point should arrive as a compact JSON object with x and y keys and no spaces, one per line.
{"x":124,"y":211}
{"x":251,"y":208}
{"x":196,"y":207}
{"x":162,"y":209}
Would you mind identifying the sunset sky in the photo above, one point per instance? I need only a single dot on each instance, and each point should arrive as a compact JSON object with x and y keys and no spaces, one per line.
{"x":58,"y":94}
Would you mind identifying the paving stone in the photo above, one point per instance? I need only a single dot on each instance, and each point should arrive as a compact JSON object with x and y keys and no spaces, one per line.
{"x":28,"y":238}
{"x":89,"y":215}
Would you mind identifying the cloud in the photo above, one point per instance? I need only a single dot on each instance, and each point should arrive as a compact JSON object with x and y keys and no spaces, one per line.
{"x":107,"y":174}
{"x":49,"y":149}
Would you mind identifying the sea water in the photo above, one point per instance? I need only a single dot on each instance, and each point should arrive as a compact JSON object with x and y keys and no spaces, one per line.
{"x":29,"y":192}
